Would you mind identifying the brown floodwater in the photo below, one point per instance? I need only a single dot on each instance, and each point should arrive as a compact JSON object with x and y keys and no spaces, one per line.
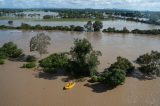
{"x":22,"y":87}
{"x":111,"y":45}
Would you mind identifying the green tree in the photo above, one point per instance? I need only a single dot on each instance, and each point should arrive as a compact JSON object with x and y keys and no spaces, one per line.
{"x":53,"y":62}
{"x":114,"y":77}
{"x":84,"y":59}
{"x":150,"y":64}
{"x":10,"y":50}
{"x":10,"y":22}
{"x":89,"y":26}
{"x":123,"y":64}
{"x":39,"y":43}
{"x":97,"y":25}
{"x":125,"y":30}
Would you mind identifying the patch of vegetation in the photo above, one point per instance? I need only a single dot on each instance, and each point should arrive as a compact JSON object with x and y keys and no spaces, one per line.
{"x":97,"y":25}
{"x":84,"y":59}
{"x":123,"y":64}
{"x":11,"y":50}
{"x":150,"y":64}
{"x":29,"y":65}
{"x":2,"y":61}
{"x":116,"y":73}
{"x":10,"y":22}
{"x":152,"y":32}
{"x":30,"y":58}
{"x":54,"y":62}
{"x":114,"y":30}
{"x":114,"y":77}
{"x":2,"y":54}
{"x":39,"y":43}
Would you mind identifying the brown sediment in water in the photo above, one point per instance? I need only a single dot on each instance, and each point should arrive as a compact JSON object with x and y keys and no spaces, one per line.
{"x":22,"y":87}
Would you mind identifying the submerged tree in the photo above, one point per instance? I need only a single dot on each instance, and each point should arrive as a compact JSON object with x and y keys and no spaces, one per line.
{"x":150,"y":64}
{"x":89,"y":26}
{"x":39,"y":43}
{"x":10,"y":22}
{"x":123,"y":64}
{"x":97,"y":25}
{"x":84,"y":59}
{"x":114,"y":77}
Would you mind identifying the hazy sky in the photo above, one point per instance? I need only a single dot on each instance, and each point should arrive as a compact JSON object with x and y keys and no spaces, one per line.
{"x":153,"y":5}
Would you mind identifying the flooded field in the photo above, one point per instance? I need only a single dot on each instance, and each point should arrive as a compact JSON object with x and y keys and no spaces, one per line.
{"x":22,"y":87}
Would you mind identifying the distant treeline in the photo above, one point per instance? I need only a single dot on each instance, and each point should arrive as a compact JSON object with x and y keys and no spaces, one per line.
{"x":39,"y":27}
{"x":135,"y":31}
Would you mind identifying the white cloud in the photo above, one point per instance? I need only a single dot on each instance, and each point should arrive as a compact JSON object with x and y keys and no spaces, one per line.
{"x":121,"y":4}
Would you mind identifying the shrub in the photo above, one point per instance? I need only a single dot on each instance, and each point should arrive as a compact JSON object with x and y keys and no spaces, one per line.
{"x":10,"y":50}
{"x":123,"y":64}
{"x":114,"y":77}
{"x":2,"y":55}
{"x":150,"y":64}
{"x":1,"y":61}
{"x":16,"y":53}
{"x":54,"y":62}
{"x":30,"y":58}
{"x":29,"y":65}
{"x":94,"y":78}
{"x":10,"y":22}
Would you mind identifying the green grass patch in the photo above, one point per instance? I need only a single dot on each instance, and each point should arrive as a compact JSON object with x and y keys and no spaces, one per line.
{"x":1,"y":62}
{"x":29,"y":65}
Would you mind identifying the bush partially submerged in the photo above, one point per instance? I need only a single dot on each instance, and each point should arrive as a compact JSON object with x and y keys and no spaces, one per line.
{"x":114,"y":77}
{"x":54,"y":62}
{"x":29,"y":65}
{"x":30,"y":58}
{"x":10,"y":50}
{"x":1,"y":61}
{"x":116,"y":73}
{"x":123,"y":64}
{"x":150,"y":64}
{"x":2,"y":54}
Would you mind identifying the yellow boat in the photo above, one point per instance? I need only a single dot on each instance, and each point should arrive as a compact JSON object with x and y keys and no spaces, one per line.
{"x":70,"y":85}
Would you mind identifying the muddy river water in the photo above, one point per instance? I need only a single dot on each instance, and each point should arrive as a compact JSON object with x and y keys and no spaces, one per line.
{"x":22,"y":87}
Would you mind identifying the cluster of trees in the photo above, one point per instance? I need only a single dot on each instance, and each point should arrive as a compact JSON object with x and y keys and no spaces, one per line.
{"x":114,"y":30}
{"x":116,"y":73}
{"x":39,"y":27}
{"x":81,"y":14}
{"x":9,"y":50}
{"x":152,"y":32}
{"x":96,"y":26}
{"x":10,"y":22}
{"x":135,"y":31}
{"x":48,"y":17}
{"x":82,"y":61}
